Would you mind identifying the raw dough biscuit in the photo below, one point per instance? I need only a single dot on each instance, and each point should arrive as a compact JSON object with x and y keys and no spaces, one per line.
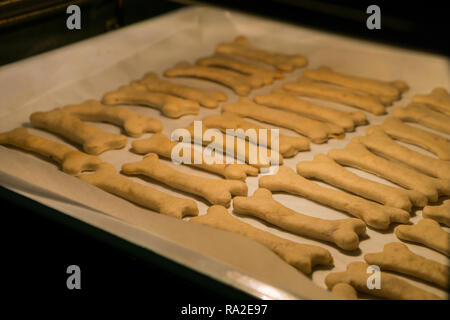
{"x":93,"y":140}
{"x":398,"y":258}
{"x":288,"y":146}
{"x":344,"y":232}
{"x":237,"y":82}
{"x":135,"y":124}
{"x":374,"y":214}
{"x":107,"y":179}
{"x":72,"y":161}
{"x":426,"y":232}
{"x":215,"y":191}
{"x":438,"y":99}
{"x":379,"y":142}
{"x":301,"y":256}
{"x":161,"y":145}
{"x":250,"y":152}
{"x":327,"y":170}
{"x":267,"y":75}
{"x":295,"y":104}
{"x":389,"y":89}
{"x":392,"y":287}
{"x":439,"y":213}
{"x":206,"y":98}
{"x":434,"y":143}
{"x":241,"y":47}
{"x":345,"y":290}
{"x":358,"y":117}
{"x":425,"y":116}
{"x":317,"y":131}
{"x":137,"y":94}
{"x":314,"y":89}
{"x":356,"y":155}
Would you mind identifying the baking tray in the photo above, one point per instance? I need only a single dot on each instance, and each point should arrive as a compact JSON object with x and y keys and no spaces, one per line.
{"x":90,"y":68}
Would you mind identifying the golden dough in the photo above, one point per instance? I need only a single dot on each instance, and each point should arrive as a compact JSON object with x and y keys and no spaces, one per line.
{"x":379,"y":142}
{"x":314,"y":89}
{"x":106,"y":178}
{"x":425,"y":116}
{"x":133,"y":123}
{"x":356,"y":155}
{"x":239,"y":83}
{"x":317,"y":131}
{"x":374,"y":214}
{"x":72,"y":161}
{"x":93,"y":140}
{"x":438,"y":99}
{"x":398,"y":258}
{"x":326,"y":169}
{"x":241,"y":47}
{"x":214,"y":191}
{"x":344,"y":232}
{"x":426,"y":232}
{"x":161,"y":145}
{"x":137,"y":94}
{"x":439,"y":213}
{"x":392,"y":287}
{"x":288,"y":146}
{"x":301,"y":256}
{"x":434,"y":143}
{"x":206,"y":98}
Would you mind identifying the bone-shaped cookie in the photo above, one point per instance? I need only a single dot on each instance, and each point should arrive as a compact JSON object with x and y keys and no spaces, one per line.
{"x":135,"y":124}
{"x":284,"y":101}
{"x":345,"y":290}
{"x":309,"y":88}
{"x":106,"y":178}
{"x":301,"y":256}
{"x":425,"y":116}
{"x":288,"y":146}
{"x":137,"y":94}
{"x":391,"y":287}
{"x":398,"y":258}
{"x":356,"y":155}
{"x":72,"y":161}
{"x":267,"y":75}
{"x":344,"y":232}
{"x":241,"y":47}
{"x":250,"y":153}
{"x":326,"y":169}
{"x":439,"y":213}
{"x":214,"y":191}
{"x":206,"y":98}
{"x":390,"y":89}
{"x":357,"y":117}
{"x":374,"y":214}
{"x":239,"y":83}
{"x":438,"y":99}
{"x":93,"y":140}
{"x":317,"y":131}
{"x":434,"y":143}
{"x":426,"y":232}
{"x":163,"y":146}
{"x":379,"y":142}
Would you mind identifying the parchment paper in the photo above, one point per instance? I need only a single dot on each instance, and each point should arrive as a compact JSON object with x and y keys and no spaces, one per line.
{"x":90,"y":68}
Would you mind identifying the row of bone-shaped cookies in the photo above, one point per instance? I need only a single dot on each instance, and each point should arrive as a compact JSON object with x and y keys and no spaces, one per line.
{"x":426,"y":232}
{"x":239,"y":66}
{"x":103,"y":175}
{"x":304,"y":257}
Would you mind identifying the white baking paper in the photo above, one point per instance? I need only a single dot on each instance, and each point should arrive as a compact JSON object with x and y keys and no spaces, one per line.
{"x":92,"y":67}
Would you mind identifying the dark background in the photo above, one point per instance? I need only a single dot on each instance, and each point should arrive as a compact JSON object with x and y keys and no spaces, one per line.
{"x":40,"y":243}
